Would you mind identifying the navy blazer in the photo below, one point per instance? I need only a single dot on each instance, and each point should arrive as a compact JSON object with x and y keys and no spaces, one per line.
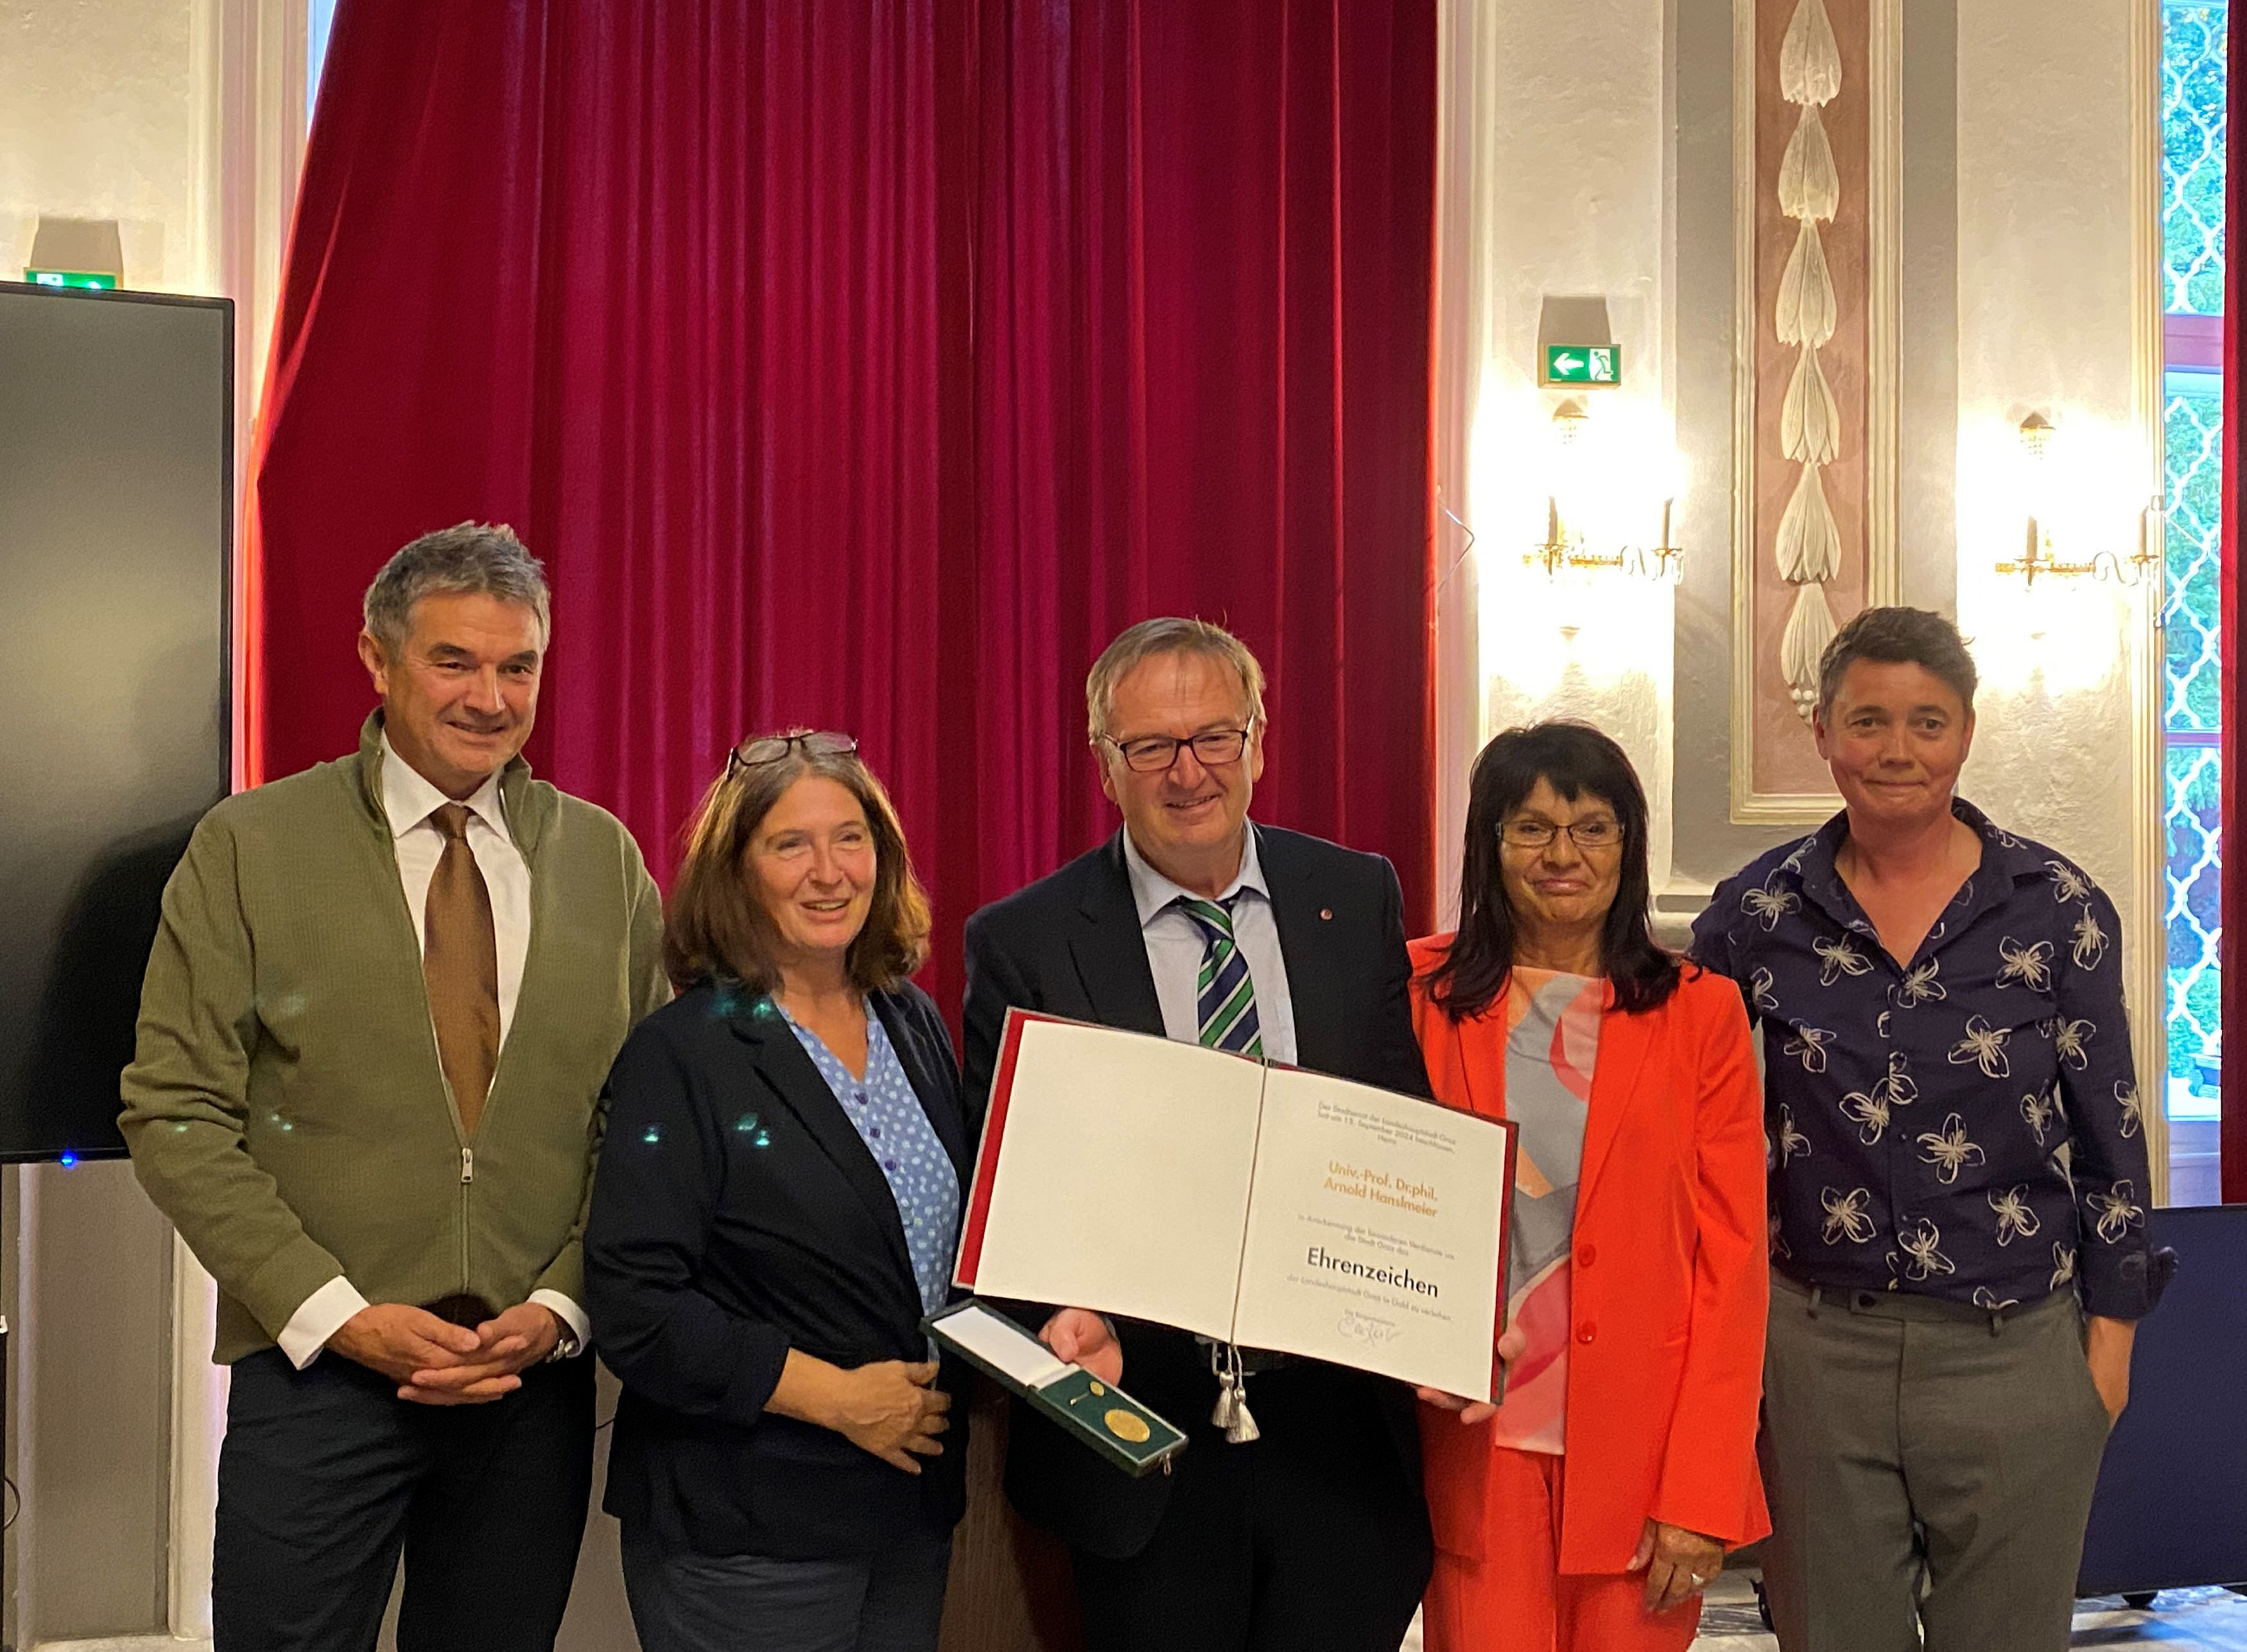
{"x":1071,"y":945}
{"x":737,"y":1214}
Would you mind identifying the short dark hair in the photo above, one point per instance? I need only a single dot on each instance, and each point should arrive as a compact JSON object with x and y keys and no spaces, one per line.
{"x":1576,"y":759}
{"x":1898,"y":636}
{"x":718,"y":928}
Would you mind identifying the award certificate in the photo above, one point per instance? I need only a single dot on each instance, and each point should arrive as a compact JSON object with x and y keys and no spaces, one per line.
{"x":1247,"y":1202}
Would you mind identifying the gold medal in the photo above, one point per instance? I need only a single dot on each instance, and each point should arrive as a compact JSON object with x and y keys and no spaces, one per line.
{"x":1127,"y":1425}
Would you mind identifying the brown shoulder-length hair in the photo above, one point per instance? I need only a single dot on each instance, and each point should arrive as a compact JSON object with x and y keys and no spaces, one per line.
{"x":718,"y":929}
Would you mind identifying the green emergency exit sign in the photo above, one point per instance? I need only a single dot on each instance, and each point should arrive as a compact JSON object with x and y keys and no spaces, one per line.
{"x":1583,"y":365}
{"x":72,"y":278}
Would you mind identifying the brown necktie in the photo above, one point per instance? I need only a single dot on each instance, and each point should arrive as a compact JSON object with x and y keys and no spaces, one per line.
{"x":460,"y":961}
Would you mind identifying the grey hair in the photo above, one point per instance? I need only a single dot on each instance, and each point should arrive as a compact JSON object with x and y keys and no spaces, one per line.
{"x":468,"y":558}
{"x":1168,"y":636}
{"x":1898,"y":636}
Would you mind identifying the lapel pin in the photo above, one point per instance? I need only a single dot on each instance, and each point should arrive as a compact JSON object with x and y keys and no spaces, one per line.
{"x":1326,"y":914}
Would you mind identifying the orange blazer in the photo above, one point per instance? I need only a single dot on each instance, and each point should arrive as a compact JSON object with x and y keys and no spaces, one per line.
{"x":1669,"y":1284}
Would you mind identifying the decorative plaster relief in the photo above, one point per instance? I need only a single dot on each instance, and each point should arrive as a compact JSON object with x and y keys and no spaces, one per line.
{"x":1817,"y":141}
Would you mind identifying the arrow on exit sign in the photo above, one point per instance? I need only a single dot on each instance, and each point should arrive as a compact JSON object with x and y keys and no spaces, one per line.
{"x":1583,"y":365}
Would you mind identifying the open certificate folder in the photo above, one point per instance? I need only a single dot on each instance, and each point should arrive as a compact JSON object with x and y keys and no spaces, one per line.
{"x":1251,"y":1203}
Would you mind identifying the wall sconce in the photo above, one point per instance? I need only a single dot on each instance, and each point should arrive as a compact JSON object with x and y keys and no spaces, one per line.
{"x":2037,"y":561}
{"x":1564,"y":546}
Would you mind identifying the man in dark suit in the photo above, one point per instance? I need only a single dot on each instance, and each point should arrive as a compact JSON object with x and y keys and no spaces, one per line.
{"x":1195,"y":924}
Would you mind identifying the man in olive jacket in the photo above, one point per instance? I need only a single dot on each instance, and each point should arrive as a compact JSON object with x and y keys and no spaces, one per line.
{"x":373,"y":1034}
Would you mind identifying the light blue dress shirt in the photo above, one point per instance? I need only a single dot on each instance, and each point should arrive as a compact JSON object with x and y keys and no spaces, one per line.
{"x":1175,"y":946}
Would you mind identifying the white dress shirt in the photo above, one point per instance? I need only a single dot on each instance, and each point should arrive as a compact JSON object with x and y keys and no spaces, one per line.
{"x":1176,"y":945}
{"x":409,"y":801}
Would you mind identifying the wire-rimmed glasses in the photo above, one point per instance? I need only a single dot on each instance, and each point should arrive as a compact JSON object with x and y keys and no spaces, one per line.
{"x":1601,"y":831}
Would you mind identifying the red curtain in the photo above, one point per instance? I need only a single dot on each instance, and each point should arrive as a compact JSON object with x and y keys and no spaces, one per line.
{"x":868,"y":366}
{"x":2233,"y":1127}
{"x":1202,"y":261}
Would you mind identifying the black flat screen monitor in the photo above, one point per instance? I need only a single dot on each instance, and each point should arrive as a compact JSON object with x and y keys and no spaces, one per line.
{"x":116,"y":519}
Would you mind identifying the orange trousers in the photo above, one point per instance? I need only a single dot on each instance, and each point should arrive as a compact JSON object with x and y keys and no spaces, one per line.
{"x":1514,"y":1598}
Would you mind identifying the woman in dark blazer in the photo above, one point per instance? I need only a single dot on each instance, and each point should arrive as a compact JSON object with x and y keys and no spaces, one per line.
{"x":777,"y":1207}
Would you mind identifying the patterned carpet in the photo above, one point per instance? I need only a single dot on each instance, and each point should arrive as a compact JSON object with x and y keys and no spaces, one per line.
{"x":2211,"y":1620}
{"x":2181,"y":1621}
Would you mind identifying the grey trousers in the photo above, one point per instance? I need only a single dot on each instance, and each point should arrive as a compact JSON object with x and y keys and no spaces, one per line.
{"x":1905,"y":1436}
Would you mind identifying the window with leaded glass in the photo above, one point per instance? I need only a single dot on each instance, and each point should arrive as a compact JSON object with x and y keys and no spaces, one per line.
{"x":2194,"y":96}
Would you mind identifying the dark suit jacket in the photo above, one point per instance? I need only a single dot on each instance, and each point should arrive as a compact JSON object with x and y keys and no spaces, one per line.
{"x":736,"y":1214}
{"x":1071,"y":945}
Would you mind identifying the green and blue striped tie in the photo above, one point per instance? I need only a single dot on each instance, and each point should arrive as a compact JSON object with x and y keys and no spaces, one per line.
{"x":1224,"y":996}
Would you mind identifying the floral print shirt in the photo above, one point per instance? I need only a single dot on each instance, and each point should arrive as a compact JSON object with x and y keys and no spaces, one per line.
{"x":1918,"y":1116}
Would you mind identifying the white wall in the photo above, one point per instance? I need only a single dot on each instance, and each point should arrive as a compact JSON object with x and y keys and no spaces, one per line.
{"x":1555,"y":140}
{"x":98,"y":106}
{"x":2056,"y":315}
{"x":97,"y":110}
{"x":89,"y":1404}
{"x":1591,"y":149}
{"x":183,"y":120}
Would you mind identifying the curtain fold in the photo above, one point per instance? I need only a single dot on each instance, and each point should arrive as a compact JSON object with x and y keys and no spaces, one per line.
{"x":1202,"y":317}
{"x":2232,"y":1127}
{"x":868,"y":367}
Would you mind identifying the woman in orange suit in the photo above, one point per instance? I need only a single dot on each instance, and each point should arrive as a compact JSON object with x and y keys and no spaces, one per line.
{"x":1588,"y":1511}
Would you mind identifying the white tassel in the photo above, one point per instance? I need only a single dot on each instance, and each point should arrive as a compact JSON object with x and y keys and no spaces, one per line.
{"x":1809,"y":628}
{"x":1227,"y":1412}
{"x":1809,"y":420}
{"x":1242,"y":1430}
{"x":1810,"y":58}
{"x":1809,"y":548}
{"x":1809,"y":183}
{"x":1807,"y":312}
{"x":1231,"y":1412}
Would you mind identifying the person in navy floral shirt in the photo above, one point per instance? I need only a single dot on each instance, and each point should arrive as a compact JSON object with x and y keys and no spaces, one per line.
{"x":1958,"y":1177}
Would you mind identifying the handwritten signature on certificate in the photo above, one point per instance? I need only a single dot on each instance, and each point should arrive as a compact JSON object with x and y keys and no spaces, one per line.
{"x":1365,"y":1328}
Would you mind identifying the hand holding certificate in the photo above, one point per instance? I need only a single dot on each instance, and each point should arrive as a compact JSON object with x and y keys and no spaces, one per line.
{"x":1257,"y":1205}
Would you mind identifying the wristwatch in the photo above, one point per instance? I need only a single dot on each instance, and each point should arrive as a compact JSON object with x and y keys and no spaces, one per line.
{"x":565,"y":1341}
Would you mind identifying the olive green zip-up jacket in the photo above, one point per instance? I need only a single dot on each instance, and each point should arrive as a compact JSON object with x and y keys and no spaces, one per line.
{"x":285,"y":1107}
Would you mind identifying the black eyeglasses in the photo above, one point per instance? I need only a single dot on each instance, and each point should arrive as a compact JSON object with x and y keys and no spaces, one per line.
{"x":1599,"y":832}
{"x":1213,"y":747}
{"x":760,"y":749}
